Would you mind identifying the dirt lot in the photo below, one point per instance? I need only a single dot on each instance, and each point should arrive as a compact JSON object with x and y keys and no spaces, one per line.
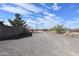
{"x":41,"y":44}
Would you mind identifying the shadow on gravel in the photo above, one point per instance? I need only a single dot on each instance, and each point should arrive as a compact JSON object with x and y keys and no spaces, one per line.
{"x":23,"y":35}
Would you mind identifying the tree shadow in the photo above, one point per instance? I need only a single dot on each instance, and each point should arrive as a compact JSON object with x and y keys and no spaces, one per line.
{"x":23,"y":35}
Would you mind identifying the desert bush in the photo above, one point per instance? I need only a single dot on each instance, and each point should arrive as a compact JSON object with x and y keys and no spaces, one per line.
{"x":59,"y":29}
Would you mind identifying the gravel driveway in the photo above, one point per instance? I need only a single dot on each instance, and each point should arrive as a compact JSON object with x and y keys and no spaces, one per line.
{"x":41,"y":44}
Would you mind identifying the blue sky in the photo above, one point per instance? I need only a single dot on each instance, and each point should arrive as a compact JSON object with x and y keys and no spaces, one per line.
{"x":46,"y":15}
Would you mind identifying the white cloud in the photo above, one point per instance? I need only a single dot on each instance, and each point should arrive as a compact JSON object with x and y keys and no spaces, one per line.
{"x":13,"y":9}
{"x":72,"y":23}
{"x":74,"y":20}
{"x":54,"y":20}
{"x":49,"y":14}
{"x":49,"y":20}
{"x":31,"y":7}
{"x":43,"y":4}
{"x":31,"y":23}
{"x":56,"y":7}
{"x":5,"y":22}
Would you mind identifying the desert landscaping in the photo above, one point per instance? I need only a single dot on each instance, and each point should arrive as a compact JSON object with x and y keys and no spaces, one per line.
{"x":47,"y":29}
{"x":17,"y":40}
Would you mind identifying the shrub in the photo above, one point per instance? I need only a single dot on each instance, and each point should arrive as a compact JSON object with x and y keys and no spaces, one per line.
{"x":59,"y":29}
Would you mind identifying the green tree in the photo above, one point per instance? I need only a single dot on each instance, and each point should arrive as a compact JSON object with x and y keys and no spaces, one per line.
{"x":17,"y":21}
{"x":59,"y":29}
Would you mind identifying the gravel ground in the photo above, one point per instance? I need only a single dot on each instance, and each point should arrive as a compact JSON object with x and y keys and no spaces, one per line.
{"x":41,"y":44}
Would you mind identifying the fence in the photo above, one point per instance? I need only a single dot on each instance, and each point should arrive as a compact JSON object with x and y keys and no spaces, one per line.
{"x":8,"y":31}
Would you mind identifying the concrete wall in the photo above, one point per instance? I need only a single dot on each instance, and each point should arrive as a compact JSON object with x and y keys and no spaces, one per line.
{"x":7,"y":31}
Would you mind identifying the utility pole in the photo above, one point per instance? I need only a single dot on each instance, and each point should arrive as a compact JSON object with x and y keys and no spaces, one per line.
{"x":31,"y":28}
{"x":36,"y":25}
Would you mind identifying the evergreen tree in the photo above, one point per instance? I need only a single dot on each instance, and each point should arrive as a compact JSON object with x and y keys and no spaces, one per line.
{"x":17,"y":21}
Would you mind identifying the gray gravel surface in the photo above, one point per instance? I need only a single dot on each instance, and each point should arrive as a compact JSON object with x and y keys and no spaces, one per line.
{"x":41,"y":44}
